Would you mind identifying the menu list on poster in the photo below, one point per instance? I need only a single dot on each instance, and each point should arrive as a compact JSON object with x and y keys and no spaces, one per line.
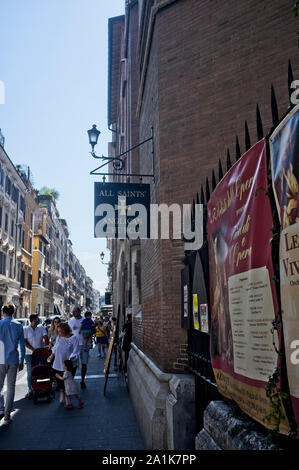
{"x":252,"y":313}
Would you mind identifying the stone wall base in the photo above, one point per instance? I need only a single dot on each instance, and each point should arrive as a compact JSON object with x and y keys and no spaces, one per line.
{"x":164,"y":404}
{"x":225,"y":431}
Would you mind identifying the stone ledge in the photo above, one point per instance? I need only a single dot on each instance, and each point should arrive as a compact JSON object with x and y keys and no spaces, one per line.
{"x":161,"y":376}
{"x":230,"y":432}
{"x":164,"y":404}
{"x":148,"y":396}
{"x":204,"y":441}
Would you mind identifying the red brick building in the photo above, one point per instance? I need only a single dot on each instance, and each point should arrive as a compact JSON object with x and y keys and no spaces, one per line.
{"x":193,"y":71}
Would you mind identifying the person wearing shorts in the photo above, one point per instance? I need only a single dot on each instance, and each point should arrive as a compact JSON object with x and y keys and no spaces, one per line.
{"x":101,"y":336}
{"x":75,"y":324}
{"x":87,"y":329}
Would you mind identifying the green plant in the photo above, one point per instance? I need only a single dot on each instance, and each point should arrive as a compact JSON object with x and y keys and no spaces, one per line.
{"x":49,"y":193}
{"x":276,"y":395}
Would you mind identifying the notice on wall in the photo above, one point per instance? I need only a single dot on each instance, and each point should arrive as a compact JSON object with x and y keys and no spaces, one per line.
{"x":186,"y":301}
{"x":284,"y":150}
{"x":242,"y":293}
{"x":195,"y":312}
{"x":204,"y":318}
{"x":251,"y":313}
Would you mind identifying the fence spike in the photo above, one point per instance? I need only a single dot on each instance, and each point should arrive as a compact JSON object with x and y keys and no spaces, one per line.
{"x":259,"y":124}
{"x":197,"y":199}
{"x":274,"y":108}
{"x":290,"y":80}
{"x":213,"y":180}
{"x":193,"y":215}
{"x":228,"y":160}
{"x":238,"y":150}
{"x":207,"y":190}
{"x":247,"y":137}
{"x":220,"y":171}
{"x":202,"y":196}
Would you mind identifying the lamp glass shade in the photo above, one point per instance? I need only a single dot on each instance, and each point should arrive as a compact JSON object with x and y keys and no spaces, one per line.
{"x":93,"y":135}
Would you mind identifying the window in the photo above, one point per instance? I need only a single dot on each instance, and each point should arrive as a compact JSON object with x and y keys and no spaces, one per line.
{"x":0,"y":216}
{"x":31,"y":221}
{"x":40,"y":246}
{"x":30,"y":245}
{"x":23,"y":238}
{"x":15,"y":193}
{"x":10,"y":267}
{"x":22,"y":278}
{"x":39,"y":278}
{"x":29,"y":286}
{"x":6,"y":223}
{"x":47,"y":257}
{"x":22,"y":205}
{"x":2,"y":177}
{"x":19,"y":273}
{"x":8,"y":186}
{"x":20,"y":234}
{"x":12,"y":228}
{"x":2,"y":263}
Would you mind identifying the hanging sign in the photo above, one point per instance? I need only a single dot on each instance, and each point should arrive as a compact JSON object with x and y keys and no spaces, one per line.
{"x":122,"y":210}
{"x":284,"y":150}
{"x":243,"y":296}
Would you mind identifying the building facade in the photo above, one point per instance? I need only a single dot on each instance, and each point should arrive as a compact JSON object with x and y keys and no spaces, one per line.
{"x":59,"y":280}
{"x":39,"y":273}
{"x":185,"y":73}
{"x":17,"y":206}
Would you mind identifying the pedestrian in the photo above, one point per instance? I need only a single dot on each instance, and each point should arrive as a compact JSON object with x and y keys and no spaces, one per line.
{"x":114,"y":323}
{"x":75,"y":324}
{"x":127,"y":339}
{"x":70,"y":385}
{"x":107,"y":324}
{"x":53,"y":333}
{"x":35,"y":337}
{"x":11,"y":336}
{"x":66,"y":347}
{"x":101,"y":336}
{"x":87,"y":328}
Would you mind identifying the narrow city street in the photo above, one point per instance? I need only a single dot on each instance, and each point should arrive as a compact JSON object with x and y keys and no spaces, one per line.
{"x":105,"y":423}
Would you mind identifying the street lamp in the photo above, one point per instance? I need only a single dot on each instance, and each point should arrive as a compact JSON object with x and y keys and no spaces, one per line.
{"x":118,"y":162}
{"x":102,"y":258}
{"x":93,"y":135}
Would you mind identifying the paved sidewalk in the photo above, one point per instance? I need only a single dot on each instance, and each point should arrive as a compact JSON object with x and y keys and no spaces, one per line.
{"x":105,"y":423}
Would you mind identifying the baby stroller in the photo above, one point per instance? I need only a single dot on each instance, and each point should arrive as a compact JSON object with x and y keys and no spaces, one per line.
{"x":41,"y":375}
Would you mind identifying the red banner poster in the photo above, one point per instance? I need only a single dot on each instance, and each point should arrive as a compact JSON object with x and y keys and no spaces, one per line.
{"x":284,"y":148}
{"x":243,"y":295}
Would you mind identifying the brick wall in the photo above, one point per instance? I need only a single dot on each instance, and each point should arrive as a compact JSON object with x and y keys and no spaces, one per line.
{"x":209,"y":64}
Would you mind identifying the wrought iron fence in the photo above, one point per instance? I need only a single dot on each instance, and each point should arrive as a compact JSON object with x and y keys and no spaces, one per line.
{"x":199,"y":360}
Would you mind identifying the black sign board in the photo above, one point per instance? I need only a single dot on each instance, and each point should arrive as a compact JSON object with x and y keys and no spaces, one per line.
{"x":122,"y":210}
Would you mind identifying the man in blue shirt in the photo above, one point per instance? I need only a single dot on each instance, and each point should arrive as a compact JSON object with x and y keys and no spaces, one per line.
{"x":11,"y":335}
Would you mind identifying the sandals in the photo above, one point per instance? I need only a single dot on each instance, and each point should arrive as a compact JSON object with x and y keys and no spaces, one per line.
{"x":69,"y":406}
{"x":80,"y":404}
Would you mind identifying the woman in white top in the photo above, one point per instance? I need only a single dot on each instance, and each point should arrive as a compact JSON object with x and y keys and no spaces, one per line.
{"x":53,"y":332}
{"x":66,"y":347}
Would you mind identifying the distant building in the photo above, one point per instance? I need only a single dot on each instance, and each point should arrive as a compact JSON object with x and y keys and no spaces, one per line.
{"x":17,"y":206}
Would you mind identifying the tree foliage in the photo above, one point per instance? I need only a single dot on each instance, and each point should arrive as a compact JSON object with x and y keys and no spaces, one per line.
{"x":53,"y":193}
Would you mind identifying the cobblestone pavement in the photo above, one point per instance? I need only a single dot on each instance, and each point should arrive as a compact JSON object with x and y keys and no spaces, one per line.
{"x":105,"y":423}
